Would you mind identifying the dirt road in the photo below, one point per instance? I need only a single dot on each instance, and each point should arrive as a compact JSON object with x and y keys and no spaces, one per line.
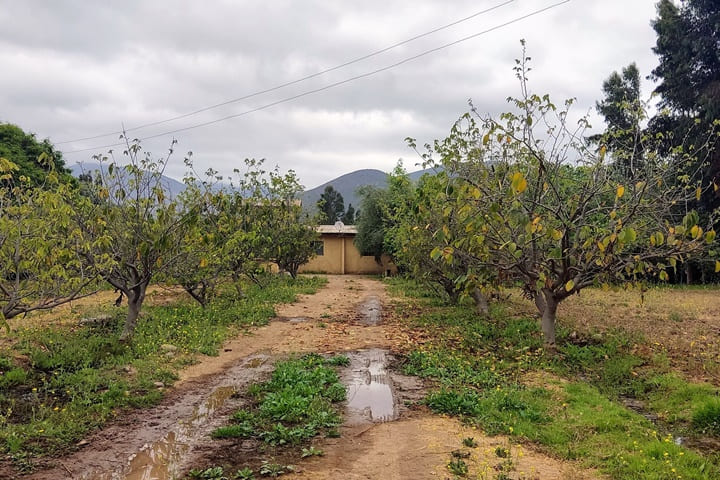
{"x":381,"y":439}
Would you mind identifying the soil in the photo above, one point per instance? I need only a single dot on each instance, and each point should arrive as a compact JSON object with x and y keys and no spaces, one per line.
{"x":395,"y":440}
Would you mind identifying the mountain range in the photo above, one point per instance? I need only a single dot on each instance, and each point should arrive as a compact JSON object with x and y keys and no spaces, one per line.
{"x":346,"y":185}
{"x":171,"y":186}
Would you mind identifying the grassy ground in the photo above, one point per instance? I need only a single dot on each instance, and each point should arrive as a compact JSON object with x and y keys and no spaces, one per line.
{"x":681,"y":321}
{"x":604,"y":397}
{"x":59,"y":382}
{"x":297,"y":403}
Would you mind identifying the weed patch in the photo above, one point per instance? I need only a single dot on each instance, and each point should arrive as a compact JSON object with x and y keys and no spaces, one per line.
{"x":296,"y":404}
{"x":56,"y":384}
{"x":478,"y":367}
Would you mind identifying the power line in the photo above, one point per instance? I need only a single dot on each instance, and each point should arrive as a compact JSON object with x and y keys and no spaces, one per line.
{"x":293,"y":82}
{"x":335,"y":84}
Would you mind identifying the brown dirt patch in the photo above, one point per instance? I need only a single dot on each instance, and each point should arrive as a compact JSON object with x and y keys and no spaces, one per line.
{"x":327,"y":322}
{"x":679,"y":323}
{"x":420,"y":447}
{"x":141,"y":444}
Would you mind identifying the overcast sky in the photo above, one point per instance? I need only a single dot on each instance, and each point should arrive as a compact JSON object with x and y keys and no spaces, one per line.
{"x":74,"y":68}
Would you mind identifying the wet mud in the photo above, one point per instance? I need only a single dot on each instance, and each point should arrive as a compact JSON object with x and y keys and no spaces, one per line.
{"x":370,"y":311}
{"x":162,"y":442}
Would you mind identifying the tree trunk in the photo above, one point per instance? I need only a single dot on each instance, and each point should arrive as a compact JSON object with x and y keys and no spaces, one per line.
{"x":547,"y":306}
{"x":135,"y":297}
{"x":238,"y":286}
{"x":450,"y":289}
{"x":481,"y":303}
{"x":198,"y":293}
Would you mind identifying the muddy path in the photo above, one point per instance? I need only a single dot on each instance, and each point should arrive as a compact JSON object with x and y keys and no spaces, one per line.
{"x":381,"y":438}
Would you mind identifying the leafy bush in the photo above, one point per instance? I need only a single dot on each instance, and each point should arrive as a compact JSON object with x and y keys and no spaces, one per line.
{"x":707,"y":417}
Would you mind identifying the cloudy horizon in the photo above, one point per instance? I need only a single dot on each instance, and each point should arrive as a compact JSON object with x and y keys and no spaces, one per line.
{"x":75,"y":69}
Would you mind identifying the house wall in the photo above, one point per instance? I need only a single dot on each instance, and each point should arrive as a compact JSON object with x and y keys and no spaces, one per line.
{"x":342,"y":256}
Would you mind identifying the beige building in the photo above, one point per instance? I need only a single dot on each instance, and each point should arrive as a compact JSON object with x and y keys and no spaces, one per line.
{"x":336,"y":253}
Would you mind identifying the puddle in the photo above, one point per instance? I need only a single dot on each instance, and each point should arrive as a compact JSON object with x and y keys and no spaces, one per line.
{"x":165,"y":458}
{"x":370,"y":396}
{"x":370,"y":310}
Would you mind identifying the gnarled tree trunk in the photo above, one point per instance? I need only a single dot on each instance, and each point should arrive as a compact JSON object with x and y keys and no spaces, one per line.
{"x":135,"y":298}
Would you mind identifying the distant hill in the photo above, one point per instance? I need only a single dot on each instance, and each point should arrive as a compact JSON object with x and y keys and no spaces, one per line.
{"x":348,"y":184}
{"x":170,"y":184}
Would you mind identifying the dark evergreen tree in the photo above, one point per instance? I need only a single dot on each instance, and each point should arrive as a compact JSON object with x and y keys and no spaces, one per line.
{"x":348,"y":217}
{"x":331,"y":205}
{"x":623,"y":111}
{"x":688,"y":47}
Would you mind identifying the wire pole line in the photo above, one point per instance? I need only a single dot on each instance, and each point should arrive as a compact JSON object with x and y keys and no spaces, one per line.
{"x":335,"y":84}
{"x":294,"y":82}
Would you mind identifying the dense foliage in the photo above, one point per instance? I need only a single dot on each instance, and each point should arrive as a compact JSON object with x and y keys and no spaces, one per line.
{"x":34,"y":159}
{"x":527,"y":197}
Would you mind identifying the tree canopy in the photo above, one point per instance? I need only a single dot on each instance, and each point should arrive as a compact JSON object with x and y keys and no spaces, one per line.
{"x":331,"y":205}
{"x":32,"y":157}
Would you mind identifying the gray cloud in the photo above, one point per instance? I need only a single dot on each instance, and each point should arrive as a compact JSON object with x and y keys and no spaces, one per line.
{"x":73,"y":69}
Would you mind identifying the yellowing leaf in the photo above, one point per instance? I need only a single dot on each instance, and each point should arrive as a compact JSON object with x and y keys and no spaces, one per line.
{"x":694,"y":231}
{"x":710,"y":236}
{"x":557,"y":234}
{"x":664,"y":276}
{"x":620,"y":191}
{"x":486,"y":139}
{"x":698,"y":193}
{"x":569,"y":285}
{"x":518,"y":182}
{"x":203,"y":262}
{"x":717,"y":266}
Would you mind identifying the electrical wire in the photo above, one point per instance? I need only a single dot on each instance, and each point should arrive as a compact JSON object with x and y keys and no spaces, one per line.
{"x":293,"y":82}
{"x":332,"y":85}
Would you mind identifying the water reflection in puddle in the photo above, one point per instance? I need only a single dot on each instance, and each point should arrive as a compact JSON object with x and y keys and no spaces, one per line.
{"x":369,"y":388}
{"x":163,"y":459}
